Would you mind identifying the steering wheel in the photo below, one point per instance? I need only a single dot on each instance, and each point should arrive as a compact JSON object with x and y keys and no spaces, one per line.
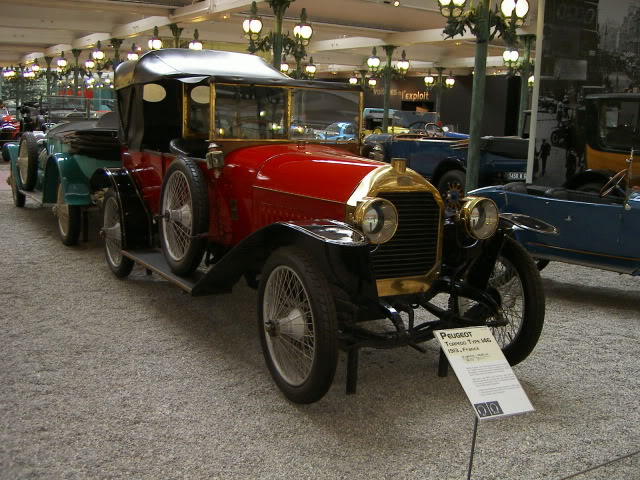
{"x":430,"y":129}
{"x":614,"y":182}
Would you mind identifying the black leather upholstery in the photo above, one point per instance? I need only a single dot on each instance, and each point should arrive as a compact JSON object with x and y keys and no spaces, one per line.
{"x":190,"y":147}
{"x":515,"y":187}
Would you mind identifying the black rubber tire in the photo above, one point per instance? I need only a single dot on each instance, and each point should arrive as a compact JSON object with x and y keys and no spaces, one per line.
{"x":74,"y":225}
{"x":29,"y":141}
{"x":188,"y":261}
{"x":446,"y":187}
{"x":120,"y":265}
{"x":5,"y":152}
{"x":528,"y":333}
{"x":555,"y":139}
{"x":19,"y":198}
{"x":324,"y":320}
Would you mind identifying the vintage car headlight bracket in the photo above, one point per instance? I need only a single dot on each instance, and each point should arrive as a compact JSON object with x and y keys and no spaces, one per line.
{"x":480,"y":217}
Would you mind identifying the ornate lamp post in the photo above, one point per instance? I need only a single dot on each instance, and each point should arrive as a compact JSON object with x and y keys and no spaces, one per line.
{"x":116,"y":43}
{"x":195,"y":44}
{"x":176,"y":32}
{"x":275,"y":40}
{"x":526,"y":69}
{"x":387,"y":72}
{"x":479,"y":19}
{"x":155,"y":42}
{"x":132,"y":55}
{"x":310,"y":70}
{"x":76,"y":71}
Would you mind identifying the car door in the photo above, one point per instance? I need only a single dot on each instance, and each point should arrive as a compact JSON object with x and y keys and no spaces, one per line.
{"x":588,"y":233}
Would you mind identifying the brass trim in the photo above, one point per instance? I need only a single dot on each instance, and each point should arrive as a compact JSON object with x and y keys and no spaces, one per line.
{"x":465,"y":214}
{"x":584,"y":251}
{"x":297,"y":194}
{"x":386,"y":179}
{"x":212,"y":112}
{"x":185,"y":113}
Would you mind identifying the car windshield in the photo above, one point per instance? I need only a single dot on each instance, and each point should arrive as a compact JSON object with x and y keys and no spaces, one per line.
{"x":620,"y":124}
{"x":258,"y":113}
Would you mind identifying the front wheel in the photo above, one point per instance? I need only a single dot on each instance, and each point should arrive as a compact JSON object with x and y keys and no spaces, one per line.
{"x":69,"y":219}
{"x":19,"y":198}
{"x":556,"y":139}
{"x":517,"y":280}
{"x":298,"y":325}
{"x":112,"y":231}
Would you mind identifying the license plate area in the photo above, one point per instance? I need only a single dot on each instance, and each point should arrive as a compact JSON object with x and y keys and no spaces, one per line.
{"x":516,"y":176}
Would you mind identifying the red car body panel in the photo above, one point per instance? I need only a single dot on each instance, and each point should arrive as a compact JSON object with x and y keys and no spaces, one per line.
{"x":262,"y":185}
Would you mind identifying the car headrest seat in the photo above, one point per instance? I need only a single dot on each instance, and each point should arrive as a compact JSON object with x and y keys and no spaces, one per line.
{"x":557,"y":192}
{"x":190,"y":146}
{"x":515,"y":187}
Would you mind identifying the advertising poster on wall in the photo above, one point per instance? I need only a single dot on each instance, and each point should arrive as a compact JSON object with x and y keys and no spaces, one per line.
{"x":589,"y":100}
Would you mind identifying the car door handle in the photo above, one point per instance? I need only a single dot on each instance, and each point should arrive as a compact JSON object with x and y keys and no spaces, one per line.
{"x":568,"y":219}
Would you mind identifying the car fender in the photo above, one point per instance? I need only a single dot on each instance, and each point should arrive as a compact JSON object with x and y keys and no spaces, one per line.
{"x":340,"y":251}
{"x":136,"y":219}
{"x":63,"y":168}
{"x":449,"y":163}
{"x":588,"y":176}
{"x":12,"y":149}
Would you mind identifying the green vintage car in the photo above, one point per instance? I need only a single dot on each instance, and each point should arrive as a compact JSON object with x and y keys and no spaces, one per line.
{"x":56,"y":168}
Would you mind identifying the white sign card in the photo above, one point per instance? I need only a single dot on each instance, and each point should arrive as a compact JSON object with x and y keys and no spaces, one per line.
{"x":483,"y":371}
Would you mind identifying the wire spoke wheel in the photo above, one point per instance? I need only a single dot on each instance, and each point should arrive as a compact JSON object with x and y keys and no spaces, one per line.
{"x":62,"y":212}
{"x":23,"y":162}
{"x":289,"y":325}
{"x":506,"y":281}
{"x":112,"y":231}
{"x":176,"y":222}
{"x":516,"y":279}
{"x":297,"y":323}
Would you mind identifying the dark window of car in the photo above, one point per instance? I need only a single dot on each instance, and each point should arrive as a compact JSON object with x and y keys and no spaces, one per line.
{"x":323,"y":111}
{"x":619,"y":124}
{"x":250,"y":112}
{"x":198,"y":110}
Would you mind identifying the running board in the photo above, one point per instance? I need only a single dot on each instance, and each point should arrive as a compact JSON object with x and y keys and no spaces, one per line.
{"x":32,"y":196}
{"x":154,"y":261}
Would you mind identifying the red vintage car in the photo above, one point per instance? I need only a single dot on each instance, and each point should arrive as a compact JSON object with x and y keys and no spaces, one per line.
{"x":224,"y":179}
{"x":9,"y":128}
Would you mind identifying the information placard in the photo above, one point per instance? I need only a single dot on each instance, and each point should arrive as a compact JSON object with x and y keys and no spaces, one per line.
{"x":483,"y":371}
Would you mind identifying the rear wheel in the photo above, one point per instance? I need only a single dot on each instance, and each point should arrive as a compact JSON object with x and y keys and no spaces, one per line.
{"x":451,"y":187}
{"x":28,"y":160}
{"x":69,"y":219}
{"x":112,"y":229}
{"x":185,"y":216}
{"x":298,"y":325}
{"x":518,"y":282}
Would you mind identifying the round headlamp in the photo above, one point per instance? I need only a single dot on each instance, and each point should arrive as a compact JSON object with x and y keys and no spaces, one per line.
{"x":378,"y":219}
{"x":480,"y":216}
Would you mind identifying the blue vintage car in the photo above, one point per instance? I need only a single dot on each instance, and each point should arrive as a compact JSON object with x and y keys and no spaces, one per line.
{"x":442,"y":159}
{"x":338,"y":131}
{"x":594,"y":230}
